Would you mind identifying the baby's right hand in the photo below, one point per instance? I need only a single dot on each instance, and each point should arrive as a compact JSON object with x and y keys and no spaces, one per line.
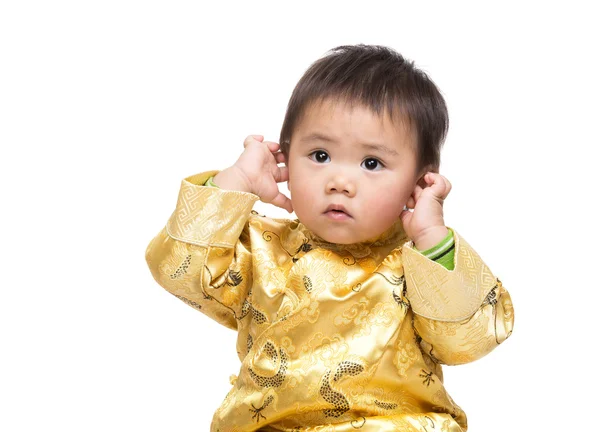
{"x":256,"y":171}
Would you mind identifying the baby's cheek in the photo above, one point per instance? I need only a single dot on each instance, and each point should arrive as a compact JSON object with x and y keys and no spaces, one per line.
{"x":303,"y":200}
{"x":383,"y":209}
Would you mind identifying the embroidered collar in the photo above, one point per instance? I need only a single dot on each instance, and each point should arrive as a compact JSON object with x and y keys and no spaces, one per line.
{"x":395,"y":234}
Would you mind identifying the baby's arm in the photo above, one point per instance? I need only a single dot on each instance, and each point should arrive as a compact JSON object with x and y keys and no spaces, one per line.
{"x":202,"y":255}
{"x":460,"y":314}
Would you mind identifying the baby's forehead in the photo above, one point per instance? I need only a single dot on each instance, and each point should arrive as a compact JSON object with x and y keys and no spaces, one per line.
{"x":330,"y":121}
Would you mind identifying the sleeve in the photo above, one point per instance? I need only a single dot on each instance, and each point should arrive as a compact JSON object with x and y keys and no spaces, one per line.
{"x":443,"y":252}
{"x":203,"y":255}
{"x":462,"y":314}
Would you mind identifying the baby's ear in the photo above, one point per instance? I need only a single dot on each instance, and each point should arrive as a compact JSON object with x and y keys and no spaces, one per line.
{"x":421,"y":177}
{"x":421,"y":180}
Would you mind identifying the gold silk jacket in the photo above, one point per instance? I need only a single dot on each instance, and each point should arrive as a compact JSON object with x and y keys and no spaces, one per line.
{"x":330,"y":337}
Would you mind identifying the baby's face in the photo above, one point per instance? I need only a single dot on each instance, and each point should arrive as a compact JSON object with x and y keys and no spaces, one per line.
{"x":353,"y":161}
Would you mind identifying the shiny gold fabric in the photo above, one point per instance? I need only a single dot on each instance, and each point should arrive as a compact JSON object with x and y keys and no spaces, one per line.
{"x":330,"y":338}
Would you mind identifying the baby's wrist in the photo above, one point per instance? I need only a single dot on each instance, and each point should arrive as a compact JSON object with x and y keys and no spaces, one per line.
{"x":431,"y":237}
{"x":232,"y":178}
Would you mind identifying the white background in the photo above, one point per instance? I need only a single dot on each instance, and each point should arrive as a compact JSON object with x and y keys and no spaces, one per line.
{"x":106,"y":106}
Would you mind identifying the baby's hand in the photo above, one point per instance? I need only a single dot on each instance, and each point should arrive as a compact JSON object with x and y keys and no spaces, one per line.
{"x":256,"y":171}
{"x":425,"y":225}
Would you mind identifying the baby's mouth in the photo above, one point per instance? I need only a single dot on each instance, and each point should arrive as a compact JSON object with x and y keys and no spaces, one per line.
{"x":337,"y":211}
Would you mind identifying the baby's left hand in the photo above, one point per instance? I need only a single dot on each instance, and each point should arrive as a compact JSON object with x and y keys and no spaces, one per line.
{"x":425,"y":225}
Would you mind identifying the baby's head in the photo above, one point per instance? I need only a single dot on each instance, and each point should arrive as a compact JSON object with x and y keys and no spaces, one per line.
{"x":362,"y":128}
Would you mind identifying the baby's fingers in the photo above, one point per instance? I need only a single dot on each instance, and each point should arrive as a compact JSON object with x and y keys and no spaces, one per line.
{"x":438,"y":184}
{"x":272,"y":146}
{"x":417,"y":193}
{"x":279,"y":157}
{"x":282,"y":174}
{"x":253,"y":138}
{"x":282,"y":201}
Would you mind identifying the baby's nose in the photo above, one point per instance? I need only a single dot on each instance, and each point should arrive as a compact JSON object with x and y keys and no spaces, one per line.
{"x":341,"y":184}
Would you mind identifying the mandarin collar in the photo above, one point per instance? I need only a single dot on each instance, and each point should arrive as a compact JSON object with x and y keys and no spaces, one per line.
{"x":395,"y":234}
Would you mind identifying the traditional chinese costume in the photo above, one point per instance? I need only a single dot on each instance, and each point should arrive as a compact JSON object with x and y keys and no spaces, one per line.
{"x":330,"y":337}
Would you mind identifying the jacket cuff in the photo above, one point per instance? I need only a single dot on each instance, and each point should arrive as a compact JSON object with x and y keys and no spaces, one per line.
{"x":443,"y":252}
{"x":209,"y":216}
{"x":446,"y":295}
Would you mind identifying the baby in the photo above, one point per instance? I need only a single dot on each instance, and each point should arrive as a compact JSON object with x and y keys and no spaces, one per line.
{"x":345,"y":314}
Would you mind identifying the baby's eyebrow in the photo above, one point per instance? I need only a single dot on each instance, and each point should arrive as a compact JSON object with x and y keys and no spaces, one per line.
{"x":382,"y":148}
{"x":316,"y":136}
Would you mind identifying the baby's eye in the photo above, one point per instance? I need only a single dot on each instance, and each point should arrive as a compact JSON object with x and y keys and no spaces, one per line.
{"x":372,"y":164}
{"x":319,"y":156}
